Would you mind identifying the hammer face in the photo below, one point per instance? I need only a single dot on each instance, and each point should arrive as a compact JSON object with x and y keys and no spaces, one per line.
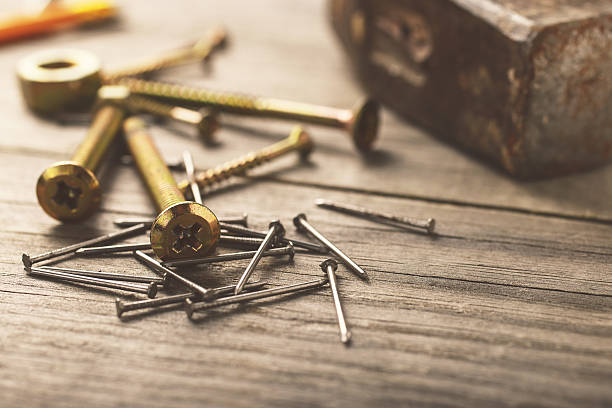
{"x":528,"y":88}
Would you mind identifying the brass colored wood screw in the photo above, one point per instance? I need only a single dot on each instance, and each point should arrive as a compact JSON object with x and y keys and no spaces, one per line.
{"x":183,"y":229}
{"x":206,"y":122}
{"x":298,"y":141}
{"x":69,"y":190}
{"x":361,"y":122}
{"x":214,"y":40}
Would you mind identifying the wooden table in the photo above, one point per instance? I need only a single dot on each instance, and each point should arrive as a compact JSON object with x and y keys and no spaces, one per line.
{"x":510,"y":305}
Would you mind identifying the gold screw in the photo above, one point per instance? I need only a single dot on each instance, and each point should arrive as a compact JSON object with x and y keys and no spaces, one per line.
{"x":202,"y":49}
{"x":361,"y":122}
{"x":69,"y":190}
{"x":298,"y":140}
{"x":183,"y":229}
{"x":206,"y":122}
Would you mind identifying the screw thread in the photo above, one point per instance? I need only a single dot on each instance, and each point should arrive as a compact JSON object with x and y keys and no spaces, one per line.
{"x":100,"y":136}
{"x":142,"y":104}
{"x":298,"y":140}
{"x":159,"y":180}
{"x":199,"y":51}
{"x":239,"y":103}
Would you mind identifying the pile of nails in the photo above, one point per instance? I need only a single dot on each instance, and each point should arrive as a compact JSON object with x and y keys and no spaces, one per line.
{"x":185,"y":233}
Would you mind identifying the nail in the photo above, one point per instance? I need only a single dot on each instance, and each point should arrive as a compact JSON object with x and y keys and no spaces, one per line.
{"x":109,"y":275}
{"x":231,"y":240}
{"x":329,"y":266}
{"x":29,"y":261}
{"x":288,"y":250}
{"x":190,"y":171}
{"x":160,"y":269}
{"x":302,"y":225}
{"x":130,"y":222}
{"x":276,"y":231}
{"x":113,"y":248}
{"x":258,"y":234}
{"x":150,"y":290}
{"x":109,"y":249}
{"x":123,"y":307}
{"x":191,"y":306}
{"x":427,"y":225}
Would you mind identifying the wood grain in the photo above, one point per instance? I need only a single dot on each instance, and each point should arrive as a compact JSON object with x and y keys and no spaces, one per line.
{"x":509,"y":305}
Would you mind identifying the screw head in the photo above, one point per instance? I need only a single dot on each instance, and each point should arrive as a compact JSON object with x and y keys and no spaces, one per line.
{"x":208,"y":125}
{"x":302,"y":140}
{"x":329,"y":262}
{"x":68,"y":191}
{"x":184,"y":230}
{"x":296,"y":221}
{"x":364,"y":125}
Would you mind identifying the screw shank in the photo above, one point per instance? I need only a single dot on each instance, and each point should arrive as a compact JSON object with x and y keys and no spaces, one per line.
{"x":100,"y":136}
{"x":154,"y":171}
{"x":240,"y":103}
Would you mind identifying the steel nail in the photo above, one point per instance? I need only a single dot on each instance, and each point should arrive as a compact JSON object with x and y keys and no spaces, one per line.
{"x":190,"y":172}
{"x":30,"y":260}
{"x":243,"y":231}
{"x":123,"y":307}
{"x":288,"y":250}
{"x":276,"y":230}
{"x":303,"y":225}
{"x":150,"y":290}
{"x":130,"y":222}
{"x":428,"y":225}
{"x":191,"y":306}
{"x":329,"y":266}
{"x":160,"y":269}
{"x":109,"y":275}
{"x":113,"y":248}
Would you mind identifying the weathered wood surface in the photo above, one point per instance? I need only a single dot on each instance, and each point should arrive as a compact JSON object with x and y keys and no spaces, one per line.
{"x":510,"y":305}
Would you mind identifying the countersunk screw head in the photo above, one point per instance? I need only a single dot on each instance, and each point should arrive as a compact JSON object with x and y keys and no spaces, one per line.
{"x":68,"y":191}
{"x":329,"y":262}
{"x":296,"y":221}
{"x":208,"y":125}
{"x":184,"y":230}
{"x":364,"y":125}
{"x":300,"y":138}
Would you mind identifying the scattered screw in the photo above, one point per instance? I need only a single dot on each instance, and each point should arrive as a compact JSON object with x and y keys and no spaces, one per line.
{"x":361,"y":122}
{"x":69,"y":190}
{"x":303,"y":225}
{"x":202,"y":49}
{"x":183,"y":229}
{"x":30,"y":260}
{"x":191,"y":306}
{"x":428,"y":225}
{"x":150,"y":290}
{"x":258,"y":234}
{"x":190,"y":171}
{"x":129,"y":222}
{"x":109,"y":275}
{"x":298,"y":140}
{"x":123,"y":307}
{"x":204,"y":120}
{"x":288,"y":250}
{"x":276,"y":231}
{"x":162,"y":270}
{"x":329,"y":266}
